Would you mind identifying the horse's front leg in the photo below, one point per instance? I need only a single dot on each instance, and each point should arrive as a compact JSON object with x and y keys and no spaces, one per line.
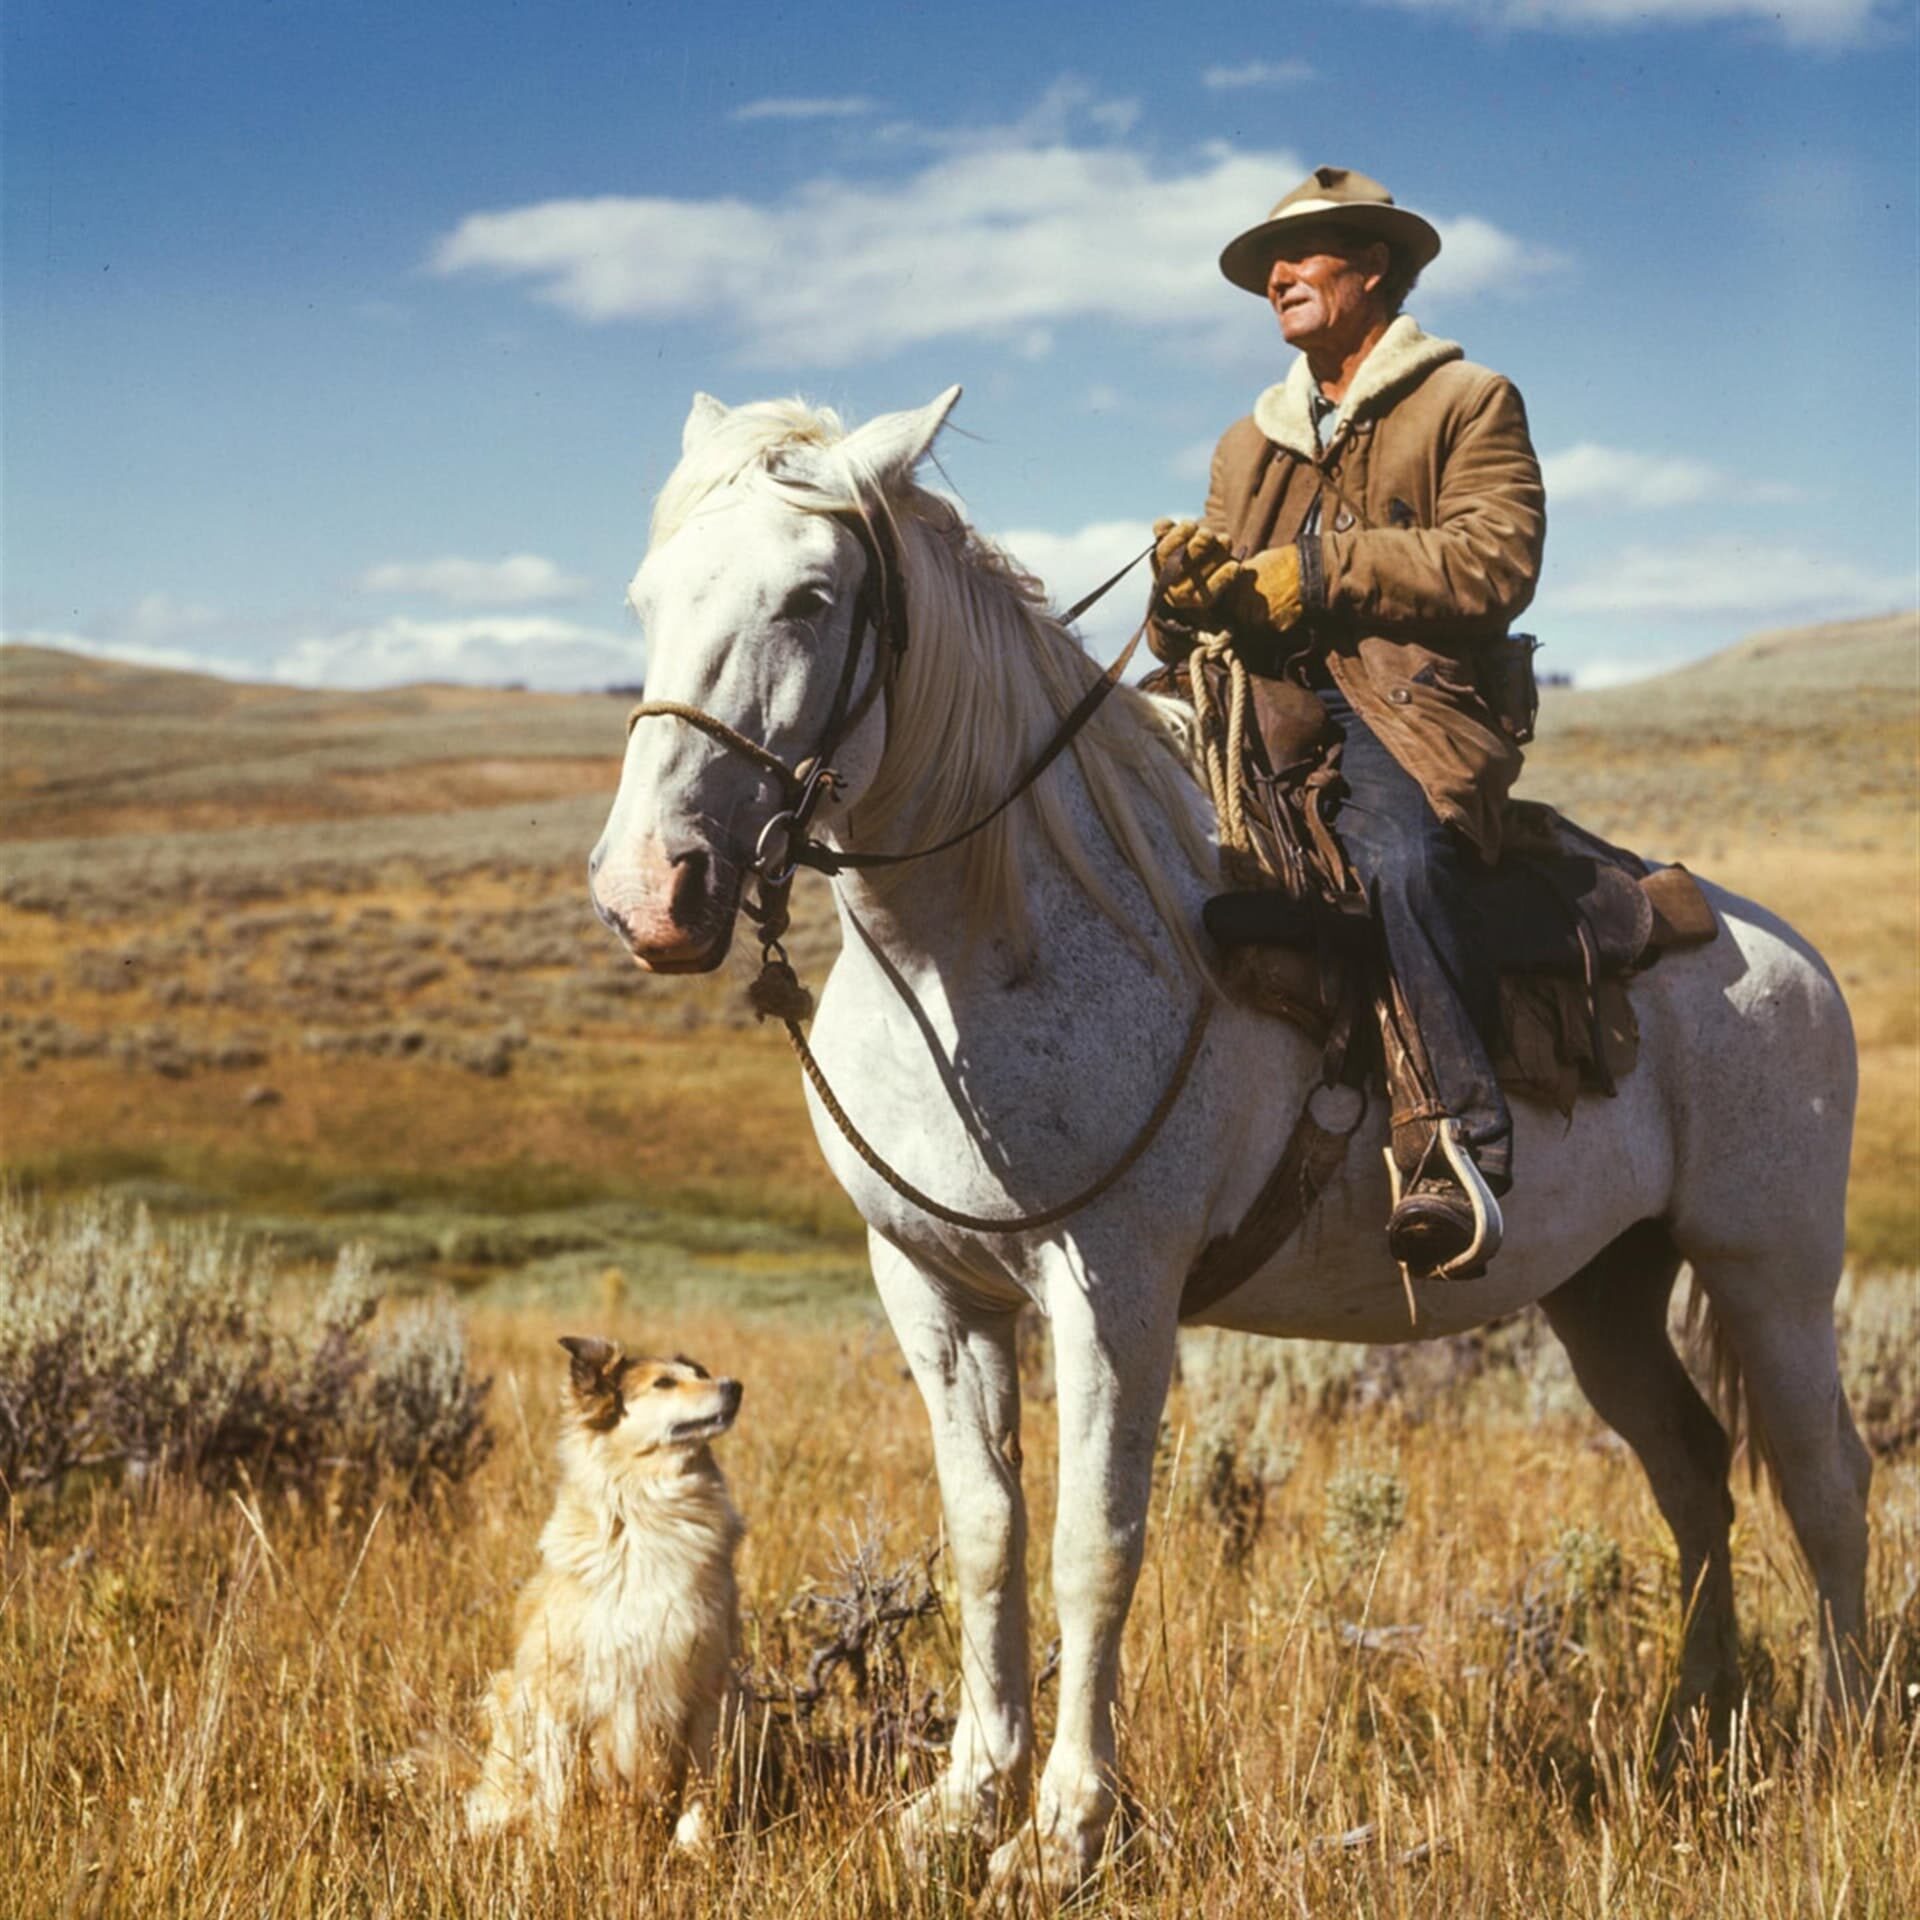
{"x":964,"y":1365}
{"x":1113,"y":1346}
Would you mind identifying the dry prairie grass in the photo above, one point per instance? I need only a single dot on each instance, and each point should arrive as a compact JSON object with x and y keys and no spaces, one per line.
{"x":460,"y":1030}
{"x":1452,"y":1716}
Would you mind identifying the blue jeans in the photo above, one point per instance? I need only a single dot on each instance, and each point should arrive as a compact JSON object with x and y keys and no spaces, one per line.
{"x":1421,"y":880}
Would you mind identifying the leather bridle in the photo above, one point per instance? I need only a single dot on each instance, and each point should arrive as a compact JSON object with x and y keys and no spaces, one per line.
{"x":786,"y":842}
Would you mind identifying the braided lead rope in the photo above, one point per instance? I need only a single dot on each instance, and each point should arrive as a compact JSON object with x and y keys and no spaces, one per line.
{"x":716,"y":730}
{"x":952,"y":1216}
{"x":1207,"y":727}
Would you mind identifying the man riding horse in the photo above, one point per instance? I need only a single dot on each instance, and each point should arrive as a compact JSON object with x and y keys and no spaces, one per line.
{"x":1370,"y":531}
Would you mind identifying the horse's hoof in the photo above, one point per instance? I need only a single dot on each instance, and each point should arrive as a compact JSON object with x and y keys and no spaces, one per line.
{"x":1033,"y":1874}
{"x":943,"y":1818}
{"x":1695,"y":1735}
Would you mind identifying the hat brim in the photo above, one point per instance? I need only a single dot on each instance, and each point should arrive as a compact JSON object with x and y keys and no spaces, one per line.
{"x":1248,"y":259}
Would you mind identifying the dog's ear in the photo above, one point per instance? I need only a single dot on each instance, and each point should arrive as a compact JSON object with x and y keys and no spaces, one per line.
{"x":594,"y":1375}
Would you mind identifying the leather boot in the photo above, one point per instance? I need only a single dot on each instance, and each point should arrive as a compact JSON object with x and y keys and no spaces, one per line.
{"x":1446,"y":1222}
{"x":1432,"y":1225}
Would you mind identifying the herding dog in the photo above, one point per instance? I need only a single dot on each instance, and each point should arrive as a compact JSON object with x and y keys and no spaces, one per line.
{"x":626,"y":1635}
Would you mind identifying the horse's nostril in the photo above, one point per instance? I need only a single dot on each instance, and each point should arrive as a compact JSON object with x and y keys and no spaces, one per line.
{"x":688,"y":891}
{"x":595,"y":859}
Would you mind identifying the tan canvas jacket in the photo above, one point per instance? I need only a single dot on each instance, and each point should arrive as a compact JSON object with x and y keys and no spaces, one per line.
{"x":1432,"y":523}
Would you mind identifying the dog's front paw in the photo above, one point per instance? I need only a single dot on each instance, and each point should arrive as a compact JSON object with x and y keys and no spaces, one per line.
{"x":488,"y":1812}
{"x":693,"y":1831}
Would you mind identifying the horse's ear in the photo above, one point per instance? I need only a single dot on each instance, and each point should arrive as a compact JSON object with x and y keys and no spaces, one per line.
{"x":705,"y":414}
{"x":892,"y":445}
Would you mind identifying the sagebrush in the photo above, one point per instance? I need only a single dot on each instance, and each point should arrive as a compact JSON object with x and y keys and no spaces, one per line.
{"x":132,"y":1348}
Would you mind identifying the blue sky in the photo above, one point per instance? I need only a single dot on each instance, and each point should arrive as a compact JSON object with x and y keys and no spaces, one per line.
{"x":348,"y":344}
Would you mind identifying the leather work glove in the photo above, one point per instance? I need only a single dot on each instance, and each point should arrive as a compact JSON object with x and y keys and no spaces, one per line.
{"x":1192,"y":569}
{"x":1197,"y":577}
{"x":1267,"y":590}
{"x":1169,"y":538}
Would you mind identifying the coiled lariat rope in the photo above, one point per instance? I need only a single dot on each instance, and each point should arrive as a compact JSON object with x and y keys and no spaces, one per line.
{"x":1223,"y":751}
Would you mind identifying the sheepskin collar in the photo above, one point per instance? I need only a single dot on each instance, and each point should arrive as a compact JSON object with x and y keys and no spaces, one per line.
{"x":1402,"y":355}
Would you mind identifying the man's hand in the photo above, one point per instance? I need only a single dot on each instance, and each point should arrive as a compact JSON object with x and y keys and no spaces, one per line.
{"x":1268,"y":589}
{"x":1192,"y":569}
{"x":1197,"y":579}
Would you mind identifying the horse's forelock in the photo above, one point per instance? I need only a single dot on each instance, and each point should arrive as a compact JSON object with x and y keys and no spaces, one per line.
{"x":784,"y":440}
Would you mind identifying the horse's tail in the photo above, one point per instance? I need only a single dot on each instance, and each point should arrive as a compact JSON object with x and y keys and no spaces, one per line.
{"x":1712,"y":1351}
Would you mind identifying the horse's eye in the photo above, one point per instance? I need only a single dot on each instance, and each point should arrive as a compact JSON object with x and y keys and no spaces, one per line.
{"x":665,"y":1380}
{"x":803,"y":603}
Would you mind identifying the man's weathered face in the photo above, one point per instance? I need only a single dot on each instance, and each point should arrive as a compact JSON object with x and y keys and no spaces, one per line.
{"x":1325,"y":288}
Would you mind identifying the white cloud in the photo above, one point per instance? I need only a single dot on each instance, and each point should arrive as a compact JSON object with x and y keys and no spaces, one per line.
{"x":1613,"y":476}
{"x":843,"y":107}
{"x":520,"y":580}
{"x":1733,"y":576}
{"x":479,"y":650}
{"x":1829,"y":23}
{"x":157,"y":630}
{"x":1257,"y":73}
{"x":1073,"y":564}
{"x":1064,"y":104}
{"x":484,"y":649}
{"x":158,"y":617}
{"x":1007,"y":234}
{"x":1478,"y":257}
{"x":1589,"y":474}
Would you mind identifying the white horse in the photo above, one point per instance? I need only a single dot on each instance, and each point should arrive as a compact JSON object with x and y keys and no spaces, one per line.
{"x":1002,"y":1017}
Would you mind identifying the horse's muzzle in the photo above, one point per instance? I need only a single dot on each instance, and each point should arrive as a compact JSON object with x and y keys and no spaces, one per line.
{"x":674,"y":912}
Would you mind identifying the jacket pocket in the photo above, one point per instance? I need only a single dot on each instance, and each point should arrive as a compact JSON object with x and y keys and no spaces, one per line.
{"x":1434,"y":722}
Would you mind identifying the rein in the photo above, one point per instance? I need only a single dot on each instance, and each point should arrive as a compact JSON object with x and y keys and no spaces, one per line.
{"x":786,"y":844}
{"x":1021,"y":1223}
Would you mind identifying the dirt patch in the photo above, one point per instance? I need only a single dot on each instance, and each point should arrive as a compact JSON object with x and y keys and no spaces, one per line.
{"x":445,"y":785}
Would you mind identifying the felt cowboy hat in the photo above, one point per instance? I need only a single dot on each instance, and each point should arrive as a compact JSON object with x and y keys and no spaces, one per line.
{"x":1334,"y":197}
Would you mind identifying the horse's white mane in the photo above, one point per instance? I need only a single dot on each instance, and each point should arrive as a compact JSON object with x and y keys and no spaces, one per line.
{"x":987,"y":675}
